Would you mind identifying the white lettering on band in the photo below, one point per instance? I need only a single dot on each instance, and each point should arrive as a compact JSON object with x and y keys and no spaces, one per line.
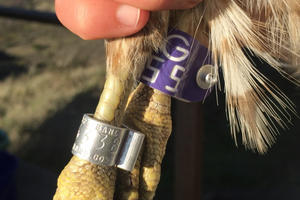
{"x":155,"y":71}
{"x":175,"y":78}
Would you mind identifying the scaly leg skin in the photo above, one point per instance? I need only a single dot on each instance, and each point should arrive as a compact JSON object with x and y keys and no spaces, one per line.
{"x":138,"y":116}
{"x":81,"y":180}
{"x":149,"y":112}
{"x":126,"y":57}
{"x":128,"y":183}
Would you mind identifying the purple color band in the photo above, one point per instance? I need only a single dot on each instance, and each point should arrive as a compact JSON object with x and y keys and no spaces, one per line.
{"x":173,"y":70}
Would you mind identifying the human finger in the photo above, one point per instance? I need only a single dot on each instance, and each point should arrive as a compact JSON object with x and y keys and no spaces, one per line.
{"x":161,"y":4}
{"x":94,"y":19}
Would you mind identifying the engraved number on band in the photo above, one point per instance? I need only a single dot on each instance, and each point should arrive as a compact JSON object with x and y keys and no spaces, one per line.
{"x":98,"y":158}
{"x":114,"y":147}
{"x":102,"y":142}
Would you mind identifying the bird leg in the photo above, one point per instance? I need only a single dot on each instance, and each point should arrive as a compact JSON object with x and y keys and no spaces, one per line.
{"x":126,"y":57}
{"x":81,"y":179}
{"x":149,"y":112}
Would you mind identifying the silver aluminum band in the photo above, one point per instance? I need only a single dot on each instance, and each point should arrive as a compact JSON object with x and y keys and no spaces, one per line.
{"x":103,"y":144}
{"x":132,"y":145}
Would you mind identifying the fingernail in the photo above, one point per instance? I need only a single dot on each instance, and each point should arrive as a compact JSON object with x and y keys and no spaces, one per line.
{"x":128,"y":15}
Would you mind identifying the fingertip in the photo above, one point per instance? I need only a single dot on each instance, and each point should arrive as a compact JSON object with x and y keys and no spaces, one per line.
{"x":161,"y":4}
{"x":131,"y":19}
{"x":95,"y":19}
{"x":142,"y":21}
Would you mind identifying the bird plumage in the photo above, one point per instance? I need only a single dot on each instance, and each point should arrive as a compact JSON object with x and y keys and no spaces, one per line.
{"x":270,"y":30}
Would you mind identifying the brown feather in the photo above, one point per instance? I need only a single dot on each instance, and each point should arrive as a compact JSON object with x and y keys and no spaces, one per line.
{"x":270,"y":30}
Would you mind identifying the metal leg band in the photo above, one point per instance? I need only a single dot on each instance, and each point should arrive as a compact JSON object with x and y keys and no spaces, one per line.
{"x":103,"y":144}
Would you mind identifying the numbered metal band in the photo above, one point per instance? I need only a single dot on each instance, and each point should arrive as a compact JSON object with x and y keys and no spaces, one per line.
{"x":107,"y":145}
{"x":131,"y":149}
{"x":182,"y":69}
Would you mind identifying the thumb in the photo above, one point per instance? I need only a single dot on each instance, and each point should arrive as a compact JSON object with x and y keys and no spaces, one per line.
{"x":94,"y":19}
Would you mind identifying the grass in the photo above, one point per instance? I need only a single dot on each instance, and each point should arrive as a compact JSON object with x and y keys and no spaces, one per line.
{"x":54,"y":66}
{"x":47,"y":5}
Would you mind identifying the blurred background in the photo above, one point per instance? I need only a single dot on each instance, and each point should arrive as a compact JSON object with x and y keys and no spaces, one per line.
{"x":49,"y":78}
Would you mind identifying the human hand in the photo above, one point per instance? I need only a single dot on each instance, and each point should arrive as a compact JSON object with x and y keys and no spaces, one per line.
{"x":95,"y":19}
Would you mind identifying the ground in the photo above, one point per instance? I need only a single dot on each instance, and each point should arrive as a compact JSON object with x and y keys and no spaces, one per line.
{"x":44,"y":68}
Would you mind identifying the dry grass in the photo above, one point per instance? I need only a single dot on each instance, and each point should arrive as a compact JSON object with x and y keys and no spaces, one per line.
{"x":46,"y":5}
{"x":56,"y":66}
